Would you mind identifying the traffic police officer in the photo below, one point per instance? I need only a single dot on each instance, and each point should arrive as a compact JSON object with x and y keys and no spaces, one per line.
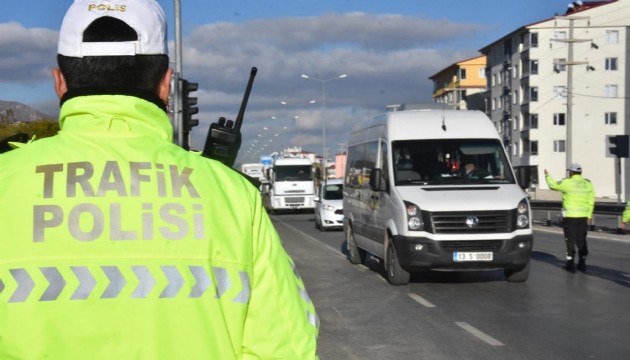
{"x":625,"y":216}
{"x":117,"y":244}
{"x":578,"y":203}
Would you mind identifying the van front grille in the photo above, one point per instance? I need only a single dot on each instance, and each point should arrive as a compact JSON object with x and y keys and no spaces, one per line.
{"x":470,"y":222}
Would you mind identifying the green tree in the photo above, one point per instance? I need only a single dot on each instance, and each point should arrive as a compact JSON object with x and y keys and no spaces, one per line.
{"x":40,"y":128}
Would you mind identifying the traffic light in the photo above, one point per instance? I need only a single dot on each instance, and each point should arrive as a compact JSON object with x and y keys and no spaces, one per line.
{"x":188,"y":105}
{"x":188,"y":110}
{"x":620,"y":145}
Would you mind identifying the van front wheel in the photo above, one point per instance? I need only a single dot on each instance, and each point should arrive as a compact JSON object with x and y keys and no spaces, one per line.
{"x":396,"y":275}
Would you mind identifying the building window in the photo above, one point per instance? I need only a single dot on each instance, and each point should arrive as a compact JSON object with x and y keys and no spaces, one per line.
{"x":481,"y":73}
{"x":462,"y":74}
{"x":516,"y":123}
{"x":533,"y":121}
{"x":559,"y":92}
{"x":558,"y":146}
{"x":611,"y":118}
{"x":533,"y":93}
{"x":533,"y":67}
{"x":559,"y":65}
{"x":515,"y":99}
{"x":612,"y":36}
{"x":515,"y":149}
{"x":610,"y":91}
{"x":559,"y":35}
{"x":507,"y":48}
{"x":533,"y":40}
{"x":559,"y":119}
{"x":611,"y":64}
{"x":515,"y":72}
{"x":533,"y":147}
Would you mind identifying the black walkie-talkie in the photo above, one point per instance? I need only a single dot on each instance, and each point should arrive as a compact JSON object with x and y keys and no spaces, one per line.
{"x":224,"y":136}
{"x":4,"y":143}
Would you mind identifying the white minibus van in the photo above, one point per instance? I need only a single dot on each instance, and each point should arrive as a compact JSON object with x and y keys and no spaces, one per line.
{"x":431,"y":190}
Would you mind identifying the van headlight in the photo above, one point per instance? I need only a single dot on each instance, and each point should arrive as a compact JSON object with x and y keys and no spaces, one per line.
{"x":414,"y":217}
{"x":522,"y":215}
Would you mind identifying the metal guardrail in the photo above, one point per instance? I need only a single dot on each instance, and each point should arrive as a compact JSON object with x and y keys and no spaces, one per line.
{"x":601,"y":208}
{"x":606,"y":216}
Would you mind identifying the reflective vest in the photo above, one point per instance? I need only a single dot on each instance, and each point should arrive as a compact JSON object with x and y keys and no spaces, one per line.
{"x":625,"y":216}
{"x":117,"y":244}
{"x":578,"y":195}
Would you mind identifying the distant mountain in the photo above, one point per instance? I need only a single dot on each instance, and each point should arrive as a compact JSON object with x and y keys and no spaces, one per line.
{"x":21,"y":112}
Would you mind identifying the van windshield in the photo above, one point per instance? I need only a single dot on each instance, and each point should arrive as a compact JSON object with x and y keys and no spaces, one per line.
{"x":450,"y":162}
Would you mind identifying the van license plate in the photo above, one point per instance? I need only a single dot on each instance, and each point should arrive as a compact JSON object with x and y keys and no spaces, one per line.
{"x":471,"y":256}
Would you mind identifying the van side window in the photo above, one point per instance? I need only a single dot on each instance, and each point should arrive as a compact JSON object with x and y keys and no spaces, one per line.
{"x":384,"y":161}
{"x":361,"y":159}
{"x":371,"y":156}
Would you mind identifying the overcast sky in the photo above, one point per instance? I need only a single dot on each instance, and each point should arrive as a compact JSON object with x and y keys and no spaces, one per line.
{"x":387,"y":49}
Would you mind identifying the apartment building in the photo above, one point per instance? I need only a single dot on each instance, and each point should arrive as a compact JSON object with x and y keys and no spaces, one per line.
{"x":461,"y":85}
{"x":557,"y":89}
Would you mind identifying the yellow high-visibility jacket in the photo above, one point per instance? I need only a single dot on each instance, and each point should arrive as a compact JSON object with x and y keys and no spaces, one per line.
{"x":117,"y":244}
{"x":578,"y":195}
{"x":625,"y":216}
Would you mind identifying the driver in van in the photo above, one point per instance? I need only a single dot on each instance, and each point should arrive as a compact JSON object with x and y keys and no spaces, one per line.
{"x":470,"y":169}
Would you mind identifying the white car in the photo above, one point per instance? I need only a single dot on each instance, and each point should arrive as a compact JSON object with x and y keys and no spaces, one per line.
{"x":329,"y":205}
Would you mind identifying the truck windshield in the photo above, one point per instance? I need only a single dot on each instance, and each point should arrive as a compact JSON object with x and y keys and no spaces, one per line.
{"x":450,"y":162}
{"x":293,"y":173}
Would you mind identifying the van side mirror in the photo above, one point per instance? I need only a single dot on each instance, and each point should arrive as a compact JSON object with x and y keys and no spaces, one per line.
{"x":524,"y":186}
{"x":377,"y":182}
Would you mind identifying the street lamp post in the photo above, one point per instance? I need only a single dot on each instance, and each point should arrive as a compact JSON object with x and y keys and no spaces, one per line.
{"x":296,"y":117}
{"x":324,"y":81}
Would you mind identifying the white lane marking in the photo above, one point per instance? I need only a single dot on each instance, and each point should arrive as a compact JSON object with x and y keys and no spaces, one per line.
{"x":420,"y":300}
{"x":313,"y":240}
{"x":479,"y":334}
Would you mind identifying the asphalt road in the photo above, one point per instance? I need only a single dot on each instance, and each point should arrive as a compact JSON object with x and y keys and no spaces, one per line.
{"x":466,"y":315}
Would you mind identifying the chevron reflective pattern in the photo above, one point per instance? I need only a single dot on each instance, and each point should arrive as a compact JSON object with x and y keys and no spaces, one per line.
{"x":313,"y":319}
{"x":115,"y":282}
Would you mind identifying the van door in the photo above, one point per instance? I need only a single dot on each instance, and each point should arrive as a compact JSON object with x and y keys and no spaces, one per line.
{"x":354,"y":187}
{"x":377,"y":201}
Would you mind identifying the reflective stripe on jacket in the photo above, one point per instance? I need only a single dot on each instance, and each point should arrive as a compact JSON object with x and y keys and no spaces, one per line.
{"x":578,"y":195}
{"x":117,"y":244}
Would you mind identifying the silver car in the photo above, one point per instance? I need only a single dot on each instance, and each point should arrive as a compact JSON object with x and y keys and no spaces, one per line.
{"x":329,"y":205}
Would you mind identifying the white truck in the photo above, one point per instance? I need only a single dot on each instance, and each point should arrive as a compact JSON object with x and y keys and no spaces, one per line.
{"x":254,"y":170}
{"x":290,"y":186}
{"x":411,"y":198}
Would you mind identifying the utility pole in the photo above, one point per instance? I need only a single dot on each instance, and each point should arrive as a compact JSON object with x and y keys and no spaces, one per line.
{"x":178,"y":134}
{"x":569,"y":64}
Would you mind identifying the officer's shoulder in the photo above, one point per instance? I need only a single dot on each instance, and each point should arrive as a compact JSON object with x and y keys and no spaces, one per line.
{"x":252,"y":180}
{"x":229,"y":171}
